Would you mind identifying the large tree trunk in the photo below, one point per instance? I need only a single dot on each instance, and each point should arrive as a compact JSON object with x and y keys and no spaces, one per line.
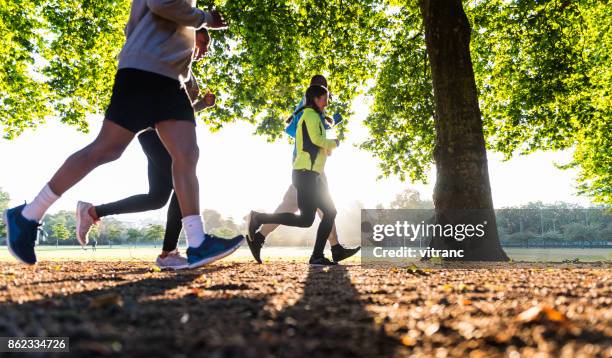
{"x":462,"y":193}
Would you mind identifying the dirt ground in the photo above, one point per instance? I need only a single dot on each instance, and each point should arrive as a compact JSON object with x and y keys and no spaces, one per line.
{"x":287,"y":309}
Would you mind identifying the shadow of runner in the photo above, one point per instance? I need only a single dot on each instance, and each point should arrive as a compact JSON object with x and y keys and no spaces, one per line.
{"x":331,"y":320}
{"x":128,"y":318}
{"x":221,"y":311}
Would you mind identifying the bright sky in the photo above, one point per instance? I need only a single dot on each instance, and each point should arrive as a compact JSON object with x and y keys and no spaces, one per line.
{"x":239,"y":171}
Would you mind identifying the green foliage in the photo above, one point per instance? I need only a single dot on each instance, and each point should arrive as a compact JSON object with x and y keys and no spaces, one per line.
{"x":154,"y":233}
{"x":410,"y":199}
{"x":4,"y":201}
{"x":542,"y":69}
{"x":51,"y":225}
{"x":262,"y":64}
{"x":23,"y":97}
{"x":557,"y":224}
{"x":58,"y":58}
{"x":59,"y":232}
{"x":111,"y":231}
{"x":217,"y":225}
{"x":401,"y":120}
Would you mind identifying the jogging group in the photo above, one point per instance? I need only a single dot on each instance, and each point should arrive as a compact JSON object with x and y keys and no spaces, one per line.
{"x":155,"y":97}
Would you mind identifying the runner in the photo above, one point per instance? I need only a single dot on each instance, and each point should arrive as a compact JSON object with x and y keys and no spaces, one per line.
{"x":289,"y":203}
{"x":160,"y":181}
{"x":312,"y":191}
{"x":148,"y":92}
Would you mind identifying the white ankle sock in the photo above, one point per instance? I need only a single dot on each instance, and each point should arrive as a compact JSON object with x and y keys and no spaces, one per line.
{"x":194,"y":230}
{"x":38,"y":207}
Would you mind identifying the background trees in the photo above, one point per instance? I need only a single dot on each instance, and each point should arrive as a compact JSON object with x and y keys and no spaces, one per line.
{"x":541,"y":71}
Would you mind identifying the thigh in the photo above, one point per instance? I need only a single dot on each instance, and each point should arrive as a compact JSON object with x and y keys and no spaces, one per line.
{"x":179,"y":137}
{"x":305,"y":185}
{"x":112,"y":138}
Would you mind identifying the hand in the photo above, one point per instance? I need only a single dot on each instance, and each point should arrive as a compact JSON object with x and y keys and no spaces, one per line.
{"x":209,"y":99}
{"x":217,"y":22}
{"x":337,"y":142}
{"x":193,"y":90}
{"x":201,"y":45}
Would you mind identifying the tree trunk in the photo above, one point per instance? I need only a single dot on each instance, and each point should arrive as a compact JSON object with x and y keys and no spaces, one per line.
{"x":462,"y":193}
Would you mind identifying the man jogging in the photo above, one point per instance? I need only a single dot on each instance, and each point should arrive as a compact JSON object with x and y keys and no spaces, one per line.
{"x":148,"y":92}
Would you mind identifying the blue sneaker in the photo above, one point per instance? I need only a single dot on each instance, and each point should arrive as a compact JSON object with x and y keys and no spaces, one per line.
{"x":21,"y":234}
{"x":212,"y":249}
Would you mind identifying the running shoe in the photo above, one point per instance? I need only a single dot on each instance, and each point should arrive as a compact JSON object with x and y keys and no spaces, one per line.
{"x":321,"y":261}
{"x":255,"y":243}
{"x":252,"y":224}
{"x":174,"y":261}
{"x":84,"y":221}
{"x":340,"y":252}
{"x":212,"y":249}
{"x":21,"y":235}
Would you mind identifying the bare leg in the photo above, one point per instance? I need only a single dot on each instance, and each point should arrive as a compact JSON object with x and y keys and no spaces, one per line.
{"x":179,"y":138}
{"x":108,"y":146}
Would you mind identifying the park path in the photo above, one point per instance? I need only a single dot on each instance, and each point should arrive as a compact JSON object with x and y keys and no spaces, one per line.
{"x":288,"y":309}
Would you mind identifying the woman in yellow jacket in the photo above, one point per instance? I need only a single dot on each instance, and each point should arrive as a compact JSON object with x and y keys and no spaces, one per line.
{"x":312,"y":193}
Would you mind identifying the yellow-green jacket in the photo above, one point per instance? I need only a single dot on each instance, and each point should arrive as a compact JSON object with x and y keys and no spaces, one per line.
{"x":311,"y":144}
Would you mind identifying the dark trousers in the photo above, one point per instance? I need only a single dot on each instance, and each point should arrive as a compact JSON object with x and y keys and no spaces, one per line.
{"x":160,"y":189}
{"x":312,"y":194}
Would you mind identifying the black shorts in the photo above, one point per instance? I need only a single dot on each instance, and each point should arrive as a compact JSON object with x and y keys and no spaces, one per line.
{"x":141,"y":99}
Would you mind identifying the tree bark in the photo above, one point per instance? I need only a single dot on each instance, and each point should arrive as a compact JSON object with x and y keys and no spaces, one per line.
{"x":462,"y":193}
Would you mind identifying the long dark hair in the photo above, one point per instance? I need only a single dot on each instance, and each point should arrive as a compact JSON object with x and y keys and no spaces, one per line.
{"x":311,"y":93}
{"x":314,"y":92}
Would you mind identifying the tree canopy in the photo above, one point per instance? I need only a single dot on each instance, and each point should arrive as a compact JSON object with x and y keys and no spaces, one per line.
{"x":542,"y":70}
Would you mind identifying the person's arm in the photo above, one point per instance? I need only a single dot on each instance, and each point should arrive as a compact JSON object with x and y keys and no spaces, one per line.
{"x":180,"y":11}
{"x":193,"y":90}
{"x":207,"y":101}
{"x":313,"y":125}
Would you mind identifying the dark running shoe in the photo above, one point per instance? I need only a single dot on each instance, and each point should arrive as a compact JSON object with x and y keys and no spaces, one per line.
{"x":212,"y":249}
{"x":340,"y":252}
{"x":21,"y":235}
{"x":321,"y":261}
{"x":255,"y":243}
{"x":252,"y":224}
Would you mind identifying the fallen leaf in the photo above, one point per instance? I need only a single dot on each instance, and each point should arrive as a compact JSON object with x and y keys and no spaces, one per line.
{"x":543,"y":313}
{"x":106,"y":300}
{"x":408,"y":341}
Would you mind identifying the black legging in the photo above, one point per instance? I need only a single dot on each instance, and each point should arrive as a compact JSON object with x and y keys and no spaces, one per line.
{"x":160,"y":187}
{"x":312,"y":194}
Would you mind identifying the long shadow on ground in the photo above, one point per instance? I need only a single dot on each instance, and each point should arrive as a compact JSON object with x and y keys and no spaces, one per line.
{"x":185,"y":314}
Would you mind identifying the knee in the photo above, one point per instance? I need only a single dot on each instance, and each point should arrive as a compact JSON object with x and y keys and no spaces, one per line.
{"x":307,"y":219}
{"x":186,"y":156}
{"x":329,"y":214}
{"x":100,"y":154}
{"x":158,"y":199}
